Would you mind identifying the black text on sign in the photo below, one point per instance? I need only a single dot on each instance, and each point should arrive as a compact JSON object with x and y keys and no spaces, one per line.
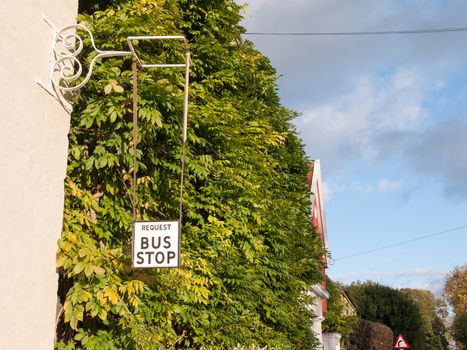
{"x":156,"y":244}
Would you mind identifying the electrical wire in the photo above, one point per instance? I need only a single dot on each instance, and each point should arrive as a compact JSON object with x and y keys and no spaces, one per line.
{"x":401,"y":243}
{"x":362,"y":33}
{"x":367,"y":33}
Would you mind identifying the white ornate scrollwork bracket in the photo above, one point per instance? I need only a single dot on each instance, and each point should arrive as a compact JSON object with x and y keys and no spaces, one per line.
{"x":66,"y":76}
{"x":66,"y":70}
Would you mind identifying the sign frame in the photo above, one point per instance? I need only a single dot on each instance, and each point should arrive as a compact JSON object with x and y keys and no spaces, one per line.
{"x":399,"y":339}
{"x":179,"y":238}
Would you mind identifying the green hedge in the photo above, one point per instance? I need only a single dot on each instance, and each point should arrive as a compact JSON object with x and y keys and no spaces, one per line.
{"x":370,"y":335}
{"x":248,"y":248}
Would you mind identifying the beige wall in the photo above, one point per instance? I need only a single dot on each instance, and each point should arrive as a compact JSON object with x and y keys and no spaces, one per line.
{"x":33,"y":150}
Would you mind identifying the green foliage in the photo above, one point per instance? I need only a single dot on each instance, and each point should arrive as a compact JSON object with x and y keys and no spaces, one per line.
{"x":455,"y":290}
{"x":432,"y":326}
{"x":370,"y":335}
{"x":390,"y":307}
{"x":336,"y":320}
{"x":459,"y":330}
{"x":248,"y":249}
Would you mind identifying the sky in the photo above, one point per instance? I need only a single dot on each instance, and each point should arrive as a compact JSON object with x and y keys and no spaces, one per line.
{"x":387,"y":117}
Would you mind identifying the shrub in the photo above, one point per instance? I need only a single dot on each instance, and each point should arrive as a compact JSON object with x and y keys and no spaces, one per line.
{"x":370,"y":336}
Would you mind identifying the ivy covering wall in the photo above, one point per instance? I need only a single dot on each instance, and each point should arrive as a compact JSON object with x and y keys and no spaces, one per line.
{"x":248,"y":248}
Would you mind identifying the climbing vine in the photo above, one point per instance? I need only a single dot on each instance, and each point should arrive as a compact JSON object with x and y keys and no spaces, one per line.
{"x":248,"y":248}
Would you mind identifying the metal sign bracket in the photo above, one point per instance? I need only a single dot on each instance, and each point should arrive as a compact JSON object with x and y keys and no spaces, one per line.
{"x":66,"y":76}
{"x":66,"y":69}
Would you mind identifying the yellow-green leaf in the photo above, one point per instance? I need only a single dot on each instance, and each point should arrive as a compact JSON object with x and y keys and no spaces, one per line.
{"x":102,"y":314}
{"x":111,"y":294}
{"x":78,"y":268}
{"x":118,"y":88}
{"x":99,"y":271}
{"x":62,"y":260}
{"x":108,"y":88}
{"x":88,"y":270}
{"x":83,"y":252}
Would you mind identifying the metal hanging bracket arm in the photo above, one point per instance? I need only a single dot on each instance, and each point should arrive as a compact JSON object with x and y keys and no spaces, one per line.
{"x":66,"y":75}
{"x":180,"y":38}
{"x":66,"y":69}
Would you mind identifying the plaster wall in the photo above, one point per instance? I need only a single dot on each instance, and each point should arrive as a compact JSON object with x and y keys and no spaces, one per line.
{"x":33,"y":151}
{"x":331,"y":341}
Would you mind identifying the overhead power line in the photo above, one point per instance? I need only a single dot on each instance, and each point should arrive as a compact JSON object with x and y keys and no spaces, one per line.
{"x":401,"y":243}
{"x":382,"y":32}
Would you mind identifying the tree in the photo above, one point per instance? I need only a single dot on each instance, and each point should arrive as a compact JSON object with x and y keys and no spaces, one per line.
{"x":370,"y":335}
{"x":459,"y":330}
{"x":336,"y":320}
{"x":248,"y":249}
{"x":390,"y":307}
{"x":455,"y":290}
{"x":431,"y":311}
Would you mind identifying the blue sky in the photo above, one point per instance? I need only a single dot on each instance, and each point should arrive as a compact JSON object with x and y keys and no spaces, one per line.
{"x":387,"y":116}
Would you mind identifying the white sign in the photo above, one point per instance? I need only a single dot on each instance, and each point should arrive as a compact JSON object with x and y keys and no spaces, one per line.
{"x":156,"y":244}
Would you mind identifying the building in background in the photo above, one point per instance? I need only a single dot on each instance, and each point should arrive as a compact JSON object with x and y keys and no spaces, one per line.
{"x":333,"y":340}
{"x":318,"y":218}
{"x":33,"y":155}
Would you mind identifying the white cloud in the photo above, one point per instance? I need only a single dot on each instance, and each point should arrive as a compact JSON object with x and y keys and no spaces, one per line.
{"x":388,"y":185}
{"x":332,"y":188}
{"x":319,"y":68}
{"x":432,"y":280}
{"x":349,"y":126}
{"x":439,"y":151}
{"x":328,"y":191}
{"x":436,"y":151}
{"x":370,"y":98}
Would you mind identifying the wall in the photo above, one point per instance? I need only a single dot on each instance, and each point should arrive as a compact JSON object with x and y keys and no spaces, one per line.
{"x":331,"y":341}
{"x":33,"y":150}
{"x":319,"y":294}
